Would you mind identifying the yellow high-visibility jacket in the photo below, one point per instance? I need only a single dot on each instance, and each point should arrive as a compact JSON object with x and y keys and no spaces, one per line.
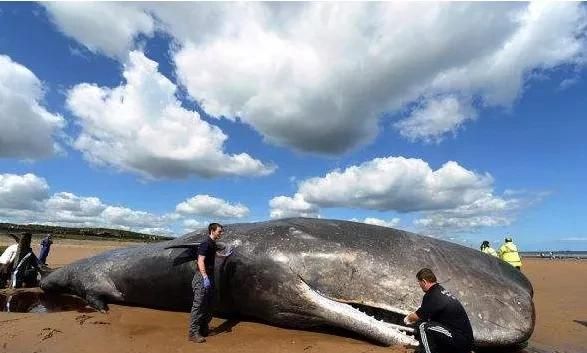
{"x":489,"y":250}
{"x":508,"y":252}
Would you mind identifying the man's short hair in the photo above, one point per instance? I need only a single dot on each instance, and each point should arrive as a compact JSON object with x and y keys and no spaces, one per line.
{"x":427,"y":275}
{"x":213,"y":226}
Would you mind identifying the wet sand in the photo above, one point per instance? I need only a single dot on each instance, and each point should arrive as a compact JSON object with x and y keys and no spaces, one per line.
{"x":561,"y":322}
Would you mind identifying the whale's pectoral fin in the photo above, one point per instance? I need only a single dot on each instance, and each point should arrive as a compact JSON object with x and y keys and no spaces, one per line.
{"x":184,"y":246}
{"x":186,"y":255}
{"x":189,"y":253}
{"x":97,"y":302}
{"x":102,"y":293}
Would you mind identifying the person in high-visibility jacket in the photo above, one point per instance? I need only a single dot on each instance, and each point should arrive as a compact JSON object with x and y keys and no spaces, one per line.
{"x":508,"y":252}
{"x":486,"y":248}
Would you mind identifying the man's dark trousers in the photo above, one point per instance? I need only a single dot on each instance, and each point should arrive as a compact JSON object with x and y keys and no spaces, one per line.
{"x":201,"y":306}
{"x":437,"y":338}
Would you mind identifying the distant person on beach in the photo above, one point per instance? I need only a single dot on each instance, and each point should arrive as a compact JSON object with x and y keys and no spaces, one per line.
{"x":26,"y":264}
{"x":45,"y":248}
{"x":486,"y":248}
{"x":508,"y":252}
{"x":203,"y":284}
{"x":6,"y":262}
{"x":443,"y":324}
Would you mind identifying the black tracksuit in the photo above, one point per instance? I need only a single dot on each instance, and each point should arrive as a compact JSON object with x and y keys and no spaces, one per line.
{"x":445,"y":326}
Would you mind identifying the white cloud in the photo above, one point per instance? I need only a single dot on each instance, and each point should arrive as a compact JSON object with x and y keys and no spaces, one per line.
{"x":109,"y":28}
{"x":25,"y":199}
{"x":318,"y":76}
{"x":397,"y":183}
{"x":141,"y":127}
{"x":450,"y":198}
{"x":211,"y":207}
{"x":489,"y":210}
{"x":22,"y":192}
{"x":392,"y":223}
{"x":28,"y":128}
{"x":284,"y":206}
{"x":66,"y":207}
{"x":433,"y":118}
{"x":126,"y":217}
{"x":546,"y":35}
{"x":192,"y":223}
{"x":322,"y":75}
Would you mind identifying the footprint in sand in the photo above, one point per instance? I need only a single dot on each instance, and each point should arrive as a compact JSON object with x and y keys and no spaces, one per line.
{"x":48,"y":332}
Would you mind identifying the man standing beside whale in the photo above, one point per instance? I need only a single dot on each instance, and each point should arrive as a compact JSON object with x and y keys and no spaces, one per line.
{"x":203,"y":284}
{"x":444,"y":325}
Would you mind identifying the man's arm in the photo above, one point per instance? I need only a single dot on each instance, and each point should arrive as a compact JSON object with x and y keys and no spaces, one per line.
{"x":411,"y":318}
{"x":202,"y":266}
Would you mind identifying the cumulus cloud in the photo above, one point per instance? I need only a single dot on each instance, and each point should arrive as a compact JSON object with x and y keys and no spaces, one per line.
{"x":489,"y":210}
{"x":28,"y":129}
{"x":26,"y":199}
{"x":211,"y":207}
{"x":141,"y":127}
{"x":322,"y":74}
{"x":396,"y":183}
{"x":432,"y":119}
{"x":69,"y":208}
{"x":394,"y":222}
{"x":22,"y":192}
{"x":192,"y":223}
{"x":284,"y":206}
{"x":322,"y":85}
{"x":450,"y":198}
{"x":108,"y":28}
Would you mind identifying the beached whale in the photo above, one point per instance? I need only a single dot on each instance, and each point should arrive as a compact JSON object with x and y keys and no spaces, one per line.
{"x":306,"y":273}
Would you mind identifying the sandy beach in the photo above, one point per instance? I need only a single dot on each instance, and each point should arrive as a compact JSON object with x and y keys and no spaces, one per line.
{"x":561,"y":322}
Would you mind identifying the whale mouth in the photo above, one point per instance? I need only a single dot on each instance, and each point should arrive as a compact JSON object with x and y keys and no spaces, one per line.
{"x":375,"y":323}
{"x":390,"y":317}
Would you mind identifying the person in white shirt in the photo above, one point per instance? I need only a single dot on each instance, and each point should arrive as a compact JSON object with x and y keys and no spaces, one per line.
{"x":8,"y":255}
{"x":6,"y":263}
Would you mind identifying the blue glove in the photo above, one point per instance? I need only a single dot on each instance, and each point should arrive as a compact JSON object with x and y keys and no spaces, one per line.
{"x":207,"y":283}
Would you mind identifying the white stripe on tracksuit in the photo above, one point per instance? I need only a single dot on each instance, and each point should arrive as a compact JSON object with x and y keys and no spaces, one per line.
{"x":431,"y":328}
{"x":15,"y":272}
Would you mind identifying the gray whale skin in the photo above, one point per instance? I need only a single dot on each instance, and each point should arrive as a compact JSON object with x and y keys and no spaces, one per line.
{"x":308,"y":273}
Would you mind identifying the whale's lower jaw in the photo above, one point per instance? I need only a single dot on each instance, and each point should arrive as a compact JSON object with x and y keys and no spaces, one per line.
{"x":347,"y":316}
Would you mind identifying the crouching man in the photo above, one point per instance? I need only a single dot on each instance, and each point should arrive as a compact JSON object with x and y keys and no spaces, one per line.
{"x":443,"y":324}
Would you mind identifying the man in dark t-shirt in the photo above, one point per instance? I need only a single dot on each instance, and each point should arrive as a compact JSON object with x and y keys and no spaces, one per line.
{"x":444,"y":325}
{"x":203,"y":284}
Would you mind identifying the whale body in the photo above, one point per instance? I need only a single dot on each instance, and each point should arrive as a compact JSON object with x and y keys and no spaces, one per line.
{"x":307,"y":273}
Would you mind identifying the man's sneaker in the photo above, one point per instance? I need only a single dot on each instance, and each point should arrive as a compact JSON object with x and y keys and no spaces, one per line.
{"x":197,"y":339}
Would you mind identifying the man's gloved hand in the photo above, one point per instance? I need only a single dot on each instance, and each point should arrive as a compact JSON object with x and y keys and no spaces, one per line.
{"x":207,"y":283}
{"x":407,"y":320}
{"x":229,"y":250}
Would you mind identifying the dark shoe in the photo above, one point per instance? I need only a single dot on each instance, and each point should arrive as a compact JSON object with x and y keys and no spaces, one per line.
{"x":197,"y":339}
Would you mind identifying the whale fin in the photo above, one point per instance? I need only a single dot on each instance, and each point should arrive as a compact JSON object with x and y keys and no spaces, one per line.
{"x":103,"y":292}
{"x":184,"y":246}
{"x":97,"y":302}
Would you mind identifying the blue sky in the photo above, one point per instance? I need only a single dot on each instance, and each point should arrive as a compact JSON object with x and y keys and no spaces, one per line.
{"x":460,"y":121}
